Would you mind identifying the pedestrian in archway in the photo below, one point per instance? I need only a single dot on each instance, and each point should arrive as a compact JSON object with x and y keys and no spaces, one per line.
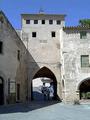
{"x":51,"y":91}
{"x":44,"y":91}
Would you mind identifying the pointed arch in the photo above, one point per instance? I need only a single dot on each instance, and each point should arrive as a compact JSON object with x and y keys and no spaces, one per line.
{"x":84,"y":80}
{"x":47,"y":73}
{"x":84,"y":88}
{"x":44,"y":72}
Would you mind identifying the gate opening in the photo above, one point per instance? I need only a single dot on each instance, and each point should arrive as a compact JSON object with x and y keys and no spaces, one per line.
{"x":44,"y":79}
{"x":1,"y":91}
{"x":84,"y":89}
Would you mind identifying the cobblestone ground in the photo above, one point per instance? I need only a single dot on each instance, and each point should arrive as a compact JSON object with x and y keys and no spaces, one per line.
{"x":45,"y":111}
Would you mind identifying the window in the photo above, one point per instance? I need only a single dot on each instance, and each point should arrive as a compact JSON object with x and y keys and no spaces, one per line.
{"x":33,"y":34}
{"x":83,"y":35}
{"x":1,"y":47}
{"x":58,"y":22}
{"x":50,"y":21}
{"x":63,"y":83}
{"x":1,"y":19}
{"x":9,"y":86}
{"x":53,"y":34}
{"x":43,"y":21}
{"x":27,"y":21}
{"x":84,"y":60}
{"x":18,"y":55}
{"x":35,"y":21}
{"x":18,"y":91}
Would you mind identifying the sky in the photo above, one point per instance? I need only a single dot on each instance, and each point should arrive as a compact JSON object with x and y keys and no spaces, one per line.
{"x":74,"y":9}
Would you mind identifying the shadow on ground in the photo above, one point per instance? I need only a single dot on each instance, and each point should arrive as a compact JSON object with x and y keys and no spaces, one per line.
{"x":38,"y":96}
{"x":26,"y":107}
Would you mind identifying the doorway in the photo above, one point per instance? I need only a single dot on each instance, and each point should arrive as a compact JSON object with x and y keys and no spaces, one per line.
{"x":1,"y":91}
{"x":84,"y":90}
{"x":46,"y":76}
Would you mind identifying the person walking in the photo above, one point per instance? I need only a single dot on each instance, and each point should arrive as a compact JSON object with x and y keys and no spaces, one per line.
{"x":51,"y":91}
{"x":44,"y":91}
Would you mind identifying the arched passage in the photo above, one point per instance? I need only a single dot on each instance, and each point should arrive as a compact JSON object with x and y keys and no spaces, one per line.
{"x":46,"y":76}
{"x":1,"y":91}
{"x":84,"y":89}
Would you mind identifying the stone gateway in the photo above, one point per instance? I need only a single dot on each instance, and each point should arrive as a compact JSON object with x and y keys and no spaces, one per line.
{"x":47,"y":50}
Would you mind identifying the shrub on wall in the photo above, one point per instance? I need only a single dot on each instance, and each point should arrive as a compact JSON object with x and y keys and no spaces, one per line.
{"x":76,"y":102}
{"x":83,"y":95}
{"x":88,"y":95}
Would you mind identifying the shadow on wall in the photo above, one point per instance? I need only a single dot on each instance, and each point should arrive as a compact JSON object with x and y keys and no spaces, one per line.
{"x":26,"y":70}
{"x":23,"y":73}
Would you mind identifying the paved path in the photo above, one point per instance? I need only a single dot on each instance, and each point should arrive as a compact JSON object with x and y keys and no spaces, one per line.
{"x":44,"y":111}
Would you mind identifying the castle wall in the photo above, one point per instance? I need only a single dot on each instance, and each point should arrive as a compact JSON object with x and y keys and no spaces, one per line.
{"x":60,"y":54}
{"x":73,"y":48}
{"x":44,"y":49}
{"x":12,"y":70}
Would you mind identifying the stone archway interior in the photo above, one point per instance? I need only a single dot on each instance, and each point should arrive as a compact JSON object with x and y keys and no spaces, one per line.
{"x":85,"y":89}
{"x":45,"y":72}
{"x":47,"y":76}
{"x":1,"y":92}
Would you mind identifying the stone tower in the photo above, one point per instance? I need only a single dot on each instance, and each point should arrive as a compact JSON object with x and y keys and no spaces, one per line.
{"x":42,"y":35}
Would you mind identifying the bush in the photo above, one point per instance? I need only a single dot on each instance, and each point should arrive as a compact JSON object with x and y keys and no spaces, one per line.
{"x":88,"y":95}
{"x":76,"y":102}
{"x":83,"y":95}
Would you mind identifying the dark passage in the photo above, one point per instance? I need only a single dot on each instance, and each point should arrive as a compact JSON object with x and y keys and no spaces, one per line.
{"x":1,"y":92}
{"x":85,"y":89}
{"x":47,"y":76}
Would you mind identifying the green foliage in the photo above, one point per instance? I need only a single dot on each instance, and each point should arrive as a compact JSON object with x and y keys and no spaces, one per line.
{"x":88,"y":95}
{"x":84,"y":22}
{"x":85,"y":95}
{"x":76,"y":102}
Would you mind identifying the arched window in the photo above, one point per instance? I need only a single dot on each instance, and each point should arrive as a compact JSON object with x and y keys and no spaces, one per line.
{"x":63,"y":83}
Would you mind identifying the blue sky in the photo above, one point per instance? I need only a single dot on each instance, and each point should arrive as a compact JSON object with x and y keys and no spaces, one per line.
{"x":74,"y":9}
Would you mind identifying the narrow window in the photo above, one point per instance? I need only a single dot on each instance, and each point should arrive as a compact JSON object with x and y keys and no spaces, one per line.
{"x":18,"y":55}
{"x":1,"y":47}
{"x":50,"y":21}
{"x":1,"y":19}
{"x":18,"y":91}
{"x":27,"y":21}
{"x":35,"y":21}
{"x":53,"y":34}
{"x":33,"y":34}
{"x":83,"y":35}
{"x":63,"y":83}
{"x":43,"y":21}
{"x":84,"y":60}
{"x":58,"y":22}
{"x":8,"y":86}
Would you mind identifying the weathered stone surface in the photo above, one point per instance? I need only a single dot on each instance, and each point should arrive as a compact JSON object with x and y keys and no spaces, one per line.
{"x":73,"y":48}
{"x":44,"y":49}
{"x":12,"y":69}
{"x":60,"y":54}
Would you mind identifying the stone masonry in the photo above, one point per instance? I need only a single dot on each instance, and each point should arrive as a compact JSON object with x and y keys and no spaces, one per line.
{"x":43,"y":47}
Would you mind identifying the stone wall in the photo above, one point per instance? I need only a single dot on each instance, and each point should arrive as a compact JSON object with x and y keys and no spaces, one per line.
{"x":44,"y":49}
{"x":12,"y":70}
{"x":73,"y":48}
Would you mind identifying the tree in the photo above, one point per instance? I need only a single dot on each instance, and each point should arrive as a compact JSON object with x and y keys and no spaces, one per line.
{"x":84,"y":22}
